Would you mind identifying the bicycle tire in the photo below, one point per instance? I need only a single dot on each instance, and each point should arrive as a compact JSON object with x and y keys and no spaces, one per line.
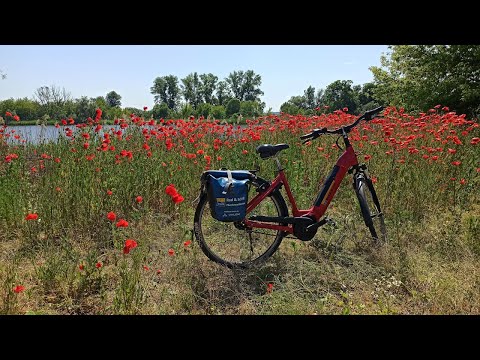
{"x":223,"y":234}
{"x":370,"y":208}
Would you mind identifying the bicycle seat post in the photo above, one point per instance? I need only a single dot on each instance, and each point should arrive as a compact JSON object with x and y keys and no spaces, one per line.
{"x":279,"y":166}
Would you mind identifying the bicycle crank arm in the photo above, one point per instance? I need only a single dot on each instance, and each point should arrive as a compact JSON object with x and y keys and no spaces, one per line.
{"x":321,"y":223}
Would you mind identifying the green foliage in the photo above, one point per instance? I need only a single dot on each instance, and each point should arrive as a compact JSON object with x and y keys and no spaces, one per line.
{"x":219,"y":112}
{"x":160,"y":111}
{"x":250,"y":108}
{"x":245,"y":85}
{"x":233,"y":107}
{"x":84,"y":108}
{"x":113,"y":99}
{"x":418,"y":77}
{"x":192,"y":89}
{"x":208,"y":86}
{"x":166,"y":90}
{"x":224,"y":93}
{"x":340,"y":94}
{"x":204,"y":109}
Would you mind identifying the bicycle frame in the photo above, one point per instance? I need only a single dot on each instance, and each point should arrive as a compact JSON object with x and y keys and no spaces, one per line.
{"x":324,"y":197}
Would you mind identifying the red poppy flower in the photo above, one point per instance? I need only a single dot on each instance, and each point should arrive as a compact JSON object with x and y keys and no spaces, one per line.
{"x":475,"y":141}
{"x":171,"y":252}
{"x":18,"y":289}
{"x":456,"y":163}
{"x":8,"y":113}
{"x":109,"y":192}
{"x":122,"y":223}
{"x":32,"y":216}
{"x":139,"y":199}
{"x":16,"y":118}
{"x":129,"y":245}
{"x":463,"y":181}
{"x":269,"y":287}
{"x":244,"y":152}
{"x":159,"y":271}
{"x":98,"y":114}
{"x":452,"y":151}
{"x":170,"y":190}
{"x":187,"y":243}
{"x":111,"y":216}
{"x":98,"y":265}
{"x":145,"y":108}
{"x":86,"y":145}
{"x":58,"y":189}
{"x":177,"y":199}
{"x":367,"y":157}
{"x":146,"y":268}
{"x":81,"y":266}
{"x":86,"y":136}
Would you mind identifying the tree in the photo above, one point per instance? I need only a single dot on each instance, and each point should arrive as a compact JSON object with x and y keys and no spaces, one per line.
{"x":3,"y":75}
{"x":233,"y":107}
{"x":207,"y":88}
{"x":166,"y":90}
{"x":223,"y":93}
{"x":251,"y":86}
{"x":52,"y":100}
{"x":204,"y":109}
{"x":339,"y":95}
{"x":160,"y":111}
{"x":218,"y":112}
{"x":309,"y":96}
{"x":419,"y":77}
{"x":192,"y":89}
{"x":245,"y":85}
{"x":113,"y":99}
{"x":250,"y":108}
{"x":84,"y":108}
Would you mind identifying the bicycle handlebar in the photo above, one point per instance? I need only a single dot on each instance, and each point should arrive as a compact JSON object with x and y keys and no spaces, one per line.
{"x":368,"y":115}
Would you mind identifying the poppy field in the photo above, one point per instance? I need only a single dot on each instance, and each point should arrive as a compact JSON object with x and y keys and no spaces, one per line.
{"x":100,"y":221}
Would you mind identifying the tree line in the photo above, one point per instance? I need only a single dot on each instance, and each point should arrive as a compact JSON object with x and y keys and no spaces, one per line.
{"x":416,"y":77}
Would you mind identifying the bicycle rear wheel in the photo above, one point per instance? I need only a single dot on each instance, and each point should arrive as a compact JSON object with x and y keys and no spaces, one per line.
{"x":370,"y":208}
{"x":233,"y":244}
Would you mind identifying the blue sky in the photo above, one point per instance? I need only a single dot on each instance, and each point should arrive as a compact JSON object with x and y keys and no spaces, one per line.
{"x":94,"y":70}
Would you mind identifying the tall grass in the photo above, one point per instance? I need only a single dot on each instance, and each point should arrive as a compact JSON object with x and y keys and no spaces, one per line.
{"x":426,"y":170}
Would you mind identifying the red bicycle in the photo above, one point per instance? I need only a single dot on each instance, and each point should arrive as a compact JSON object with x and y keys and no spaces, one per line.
{"x":254,"y":239}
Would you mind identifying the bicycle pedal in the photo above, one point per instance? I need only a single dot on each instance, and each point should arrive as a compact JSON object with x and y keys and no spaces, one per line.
{"x":331,"y":222}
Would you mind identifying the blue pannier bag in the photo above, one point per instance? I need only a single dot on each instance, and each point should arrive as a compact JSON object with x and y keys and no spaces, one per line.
{"x":228,"y":194}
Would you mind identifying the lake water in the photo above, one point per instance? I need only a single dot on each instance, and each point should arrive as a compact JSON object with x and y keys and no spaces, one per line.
{"x":36,"y":134}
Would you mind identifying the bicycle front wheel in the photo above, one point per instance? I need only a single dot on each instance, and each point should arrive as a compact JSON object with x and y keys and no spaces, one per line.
{"x":370,"y":208}
{"x":233,"y":244}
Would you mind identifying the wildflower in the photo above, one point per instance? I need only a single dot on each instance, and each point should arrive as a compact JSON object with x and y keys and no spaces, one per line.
{"x":269,"y":287}
{"x":187,"y":243}
{"x":109,"y":192}
{"x":122,"y":223}
{"x":16,"y":118}
{"x":146,"y":268}
{"x":129,"y":245}
{"x":159,"y":271}
{"x":463,"y":181}
{"x":32,"y":216}
{"x":98,"y":265}
{"x":139,"y":199}
{"x":452,"y":151}
{"x":177,"y":198}
{"x":456,"y":163}
{"x":170,"y":190}
{"x":244,"y":152}
{"x":145,"y":108}
{"x":18,"y":289}
{"x":81,"y":267}
{"x":475,"y":141}
{"x":171,"y":252}
{"x":111,"y":216}
{"x":367,"y":157}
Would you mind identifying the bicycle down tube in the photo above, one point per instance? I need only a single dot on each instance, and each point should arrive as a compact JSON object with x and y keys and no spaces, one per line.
{"x":325,"y":196}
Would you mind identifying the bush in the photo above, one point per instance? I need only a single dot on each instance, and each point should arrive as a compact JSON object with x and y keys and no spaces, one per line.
{"x":233,"y":107}
{"x":160,"y":111}
{"x":219,"y":112}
